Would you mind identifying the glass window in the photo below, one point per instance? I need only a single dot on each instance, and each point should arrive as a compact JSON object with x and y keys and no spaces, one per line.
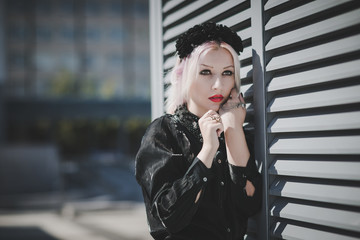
{"x":93,"y":34}
{"x":116,"y":7}
{"x":141,"y":9}
{"x":67,"y":7}
{"x":17,"y":60}
{"x":89,"y":62}
{"x":43,"y":33}
{"x":92,"y":8}
{"x":69,"y":61}
{"x":17,"y":32}
{"x":45,"y":62}
{"x":16,"y":6}
{"x":43,"y":7}
{"x":115,"y":60}
{"x":68,"y":33}
{"x":118,"y":34}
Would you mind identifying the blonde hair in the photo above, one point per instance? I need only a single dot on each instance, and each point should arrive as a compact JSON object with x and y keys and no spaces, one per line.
{"x":183,"y":73}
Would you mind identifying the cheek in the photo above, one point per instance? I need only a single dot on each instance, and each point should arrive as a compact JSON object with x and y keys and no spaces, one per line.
{"x":230,"y":84}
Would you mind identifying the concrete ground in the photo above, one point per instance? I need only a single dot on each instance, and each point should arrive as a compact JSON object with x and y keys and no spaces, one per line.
{"x":98,"y":200}
{"x":123,"y":221}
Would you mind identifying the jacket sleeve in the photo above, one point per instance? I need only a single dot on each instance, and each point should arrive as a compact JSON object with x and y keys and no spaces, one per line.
{"x":170,"y":182}
{"x":248,"y":205}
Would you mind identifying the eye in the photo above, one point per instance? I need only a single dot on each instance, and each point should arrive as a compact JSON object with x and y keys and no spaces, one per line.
{"x":205,"y":72}
{"x":228,"y":73}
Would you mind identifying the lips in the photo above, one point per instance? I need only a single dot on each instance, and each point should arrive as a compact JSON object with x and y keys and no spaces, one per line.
{"x":217,"y":98}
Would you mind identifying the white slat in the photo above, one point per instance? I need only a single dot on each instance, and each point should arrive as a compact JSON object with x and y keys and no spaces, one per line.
{"x":301,"y":12}
{"x":170,"y":62}
{"x":247,"y":89}
{"x":273,"y":3}
{"x":345,"y":195}
{"x":316,"y":145}
{"x":314,"y":30}
{"x":323,"y":51}
{"x":245,"y":33}
{"x":246,"y":54}
{"x":171,"y":4}
{"x":184,"y":11}
{"x":246,"y":71}
{"x":318,"y":215}
{"x":324,"y":122}
{"x":318,"y":75}
{"x":169,"y":48}
{"x":237,"y":18}
{"x":293,"y":232}
{"x":332,"y":97}
{"x":316,"y":169}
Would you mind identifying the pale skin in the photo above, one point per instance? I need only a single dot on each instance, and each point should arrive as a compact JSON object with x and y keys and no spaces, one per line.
{"x":216,"y":77}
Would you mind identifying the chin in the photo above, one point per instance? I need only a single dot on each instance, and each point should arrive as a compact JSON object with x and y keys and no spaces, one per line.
{"x":215,"y":108}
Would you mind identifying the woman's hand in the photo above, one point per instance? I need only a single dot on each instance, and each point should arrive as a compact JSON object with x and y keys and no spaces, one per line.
{"x":211,"y":127}
{"x":233,"y":112}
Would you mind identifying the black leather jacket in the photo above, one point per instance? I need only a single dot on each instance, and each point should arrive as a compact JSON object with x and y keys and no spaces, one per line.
{"x":171,"y":177}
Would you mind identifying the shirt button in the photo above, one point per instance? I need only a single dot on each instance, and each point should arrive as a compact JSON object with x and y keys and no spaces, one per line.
{"x":222,"y":183}
{"x":219,"y":161}
{"x":205,"y":179}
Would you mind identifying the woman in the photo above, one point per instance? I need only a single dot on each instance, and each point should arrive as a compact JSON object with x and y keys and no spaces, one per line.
{"x":198,"y":177}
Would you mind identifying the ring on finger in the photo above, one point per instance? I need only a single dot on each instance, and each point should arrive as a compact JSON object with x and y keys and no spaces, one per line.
{"x":217,"y":118}
{"x":241,"y":104}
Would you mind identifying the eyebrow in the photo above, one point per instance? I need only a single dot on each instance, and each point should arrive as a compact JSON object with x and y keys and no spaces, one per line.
{"x":213,"y":67}
{"x":229,"y":66}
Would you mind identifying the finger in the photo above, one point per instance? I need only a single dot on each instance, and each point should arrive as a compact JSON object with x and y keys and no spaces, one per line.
{"x":210,"y":113}
{"x":216,"y":118}
{"x":233,"y":93}
{"x":220,"y":130}
{"x":241,"y":97}
{"x":218,"y":127}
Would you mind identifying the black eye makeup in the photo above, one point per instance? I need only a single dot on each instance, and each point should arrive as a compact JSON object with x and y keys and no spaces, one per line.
{"x":205,"y":72}
{"x":228,"y":73}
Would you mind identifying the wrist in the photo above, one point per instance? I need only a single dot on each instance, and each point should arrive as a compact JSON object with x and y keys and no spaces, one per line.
{"x":206,"y":155}
{"x":234,"y":129}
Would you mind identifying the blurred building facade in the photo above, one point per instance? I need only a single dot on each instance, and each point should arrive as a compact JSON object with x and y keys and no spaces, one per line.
{"x":72,"y":60}
{"x":85,"y":48}
{"x":74,"y":98}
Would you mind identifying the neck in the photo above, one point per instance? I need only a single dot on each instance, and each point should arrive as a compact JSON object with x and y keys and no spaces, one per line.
{"x":195,"y":110}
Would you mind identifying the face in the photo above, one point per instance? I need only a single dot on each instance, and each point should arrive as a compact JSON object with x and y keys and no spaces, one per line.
{"x":213,"y":81}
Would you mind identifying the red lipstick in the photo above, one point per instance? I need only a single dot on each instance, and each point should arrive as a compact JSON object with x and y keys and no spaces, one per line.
{"x":217,"y":98}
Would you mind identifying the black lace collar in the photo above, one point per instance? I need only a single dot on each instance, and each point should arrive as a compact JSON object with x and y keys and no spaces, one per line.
{"x":188,"y":120}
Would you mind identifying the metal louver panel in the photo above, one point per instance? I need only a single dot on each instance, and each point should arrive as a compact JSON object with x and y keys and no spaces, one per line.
{"x":300,"y":72}
{"x":313,"y":118}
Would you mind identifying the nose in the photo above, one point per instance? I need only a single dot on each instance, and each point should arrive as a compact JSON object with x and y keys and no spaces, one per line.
{"x":217,"y":82}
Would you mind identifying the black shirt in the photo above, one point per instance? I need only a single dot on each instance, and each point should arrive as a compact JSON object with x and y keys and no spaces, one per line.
{"x":171,"y":177}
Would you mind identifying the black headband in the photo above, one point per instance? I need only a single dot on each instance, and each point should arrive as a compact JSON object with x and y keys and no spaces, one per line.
{"x":206,"y":32}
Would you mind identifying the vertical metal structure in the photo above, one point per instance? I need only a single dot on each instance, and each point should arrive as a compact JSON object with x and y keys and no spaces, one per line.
{"x":260,"y":101}
{"x":300,"y":77}
{"x":2,"y":72}
{"x":156,"y":59}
